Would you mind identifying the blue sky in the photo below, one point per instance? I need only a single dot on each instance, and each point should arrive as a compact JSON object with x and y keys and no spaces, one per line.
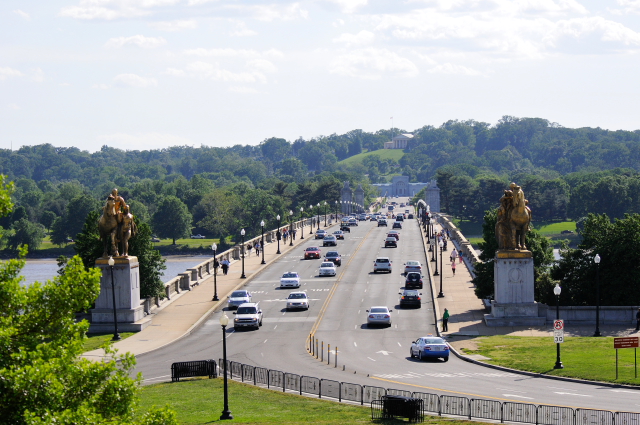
{"x":147,"y":74}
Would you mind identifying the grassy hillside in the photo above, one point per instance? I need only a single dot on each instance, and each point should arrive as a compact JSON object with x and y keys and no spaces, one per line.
{"x":382,"y":153}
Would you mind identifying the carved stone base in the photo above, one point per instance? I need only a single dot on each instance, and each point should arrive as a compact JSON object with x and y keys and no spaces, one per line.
{"x":516,"y":314}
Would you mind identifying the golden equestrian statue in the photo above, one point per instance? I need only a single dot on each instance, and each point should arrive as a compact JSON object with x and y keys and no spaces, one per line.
{"x":514,"y":219}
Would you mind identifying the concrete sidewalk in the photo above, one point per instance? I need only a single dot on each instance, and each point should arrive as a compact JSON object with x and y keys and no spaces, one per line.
{"x":190,"y":308}
{"x":467,"y":311}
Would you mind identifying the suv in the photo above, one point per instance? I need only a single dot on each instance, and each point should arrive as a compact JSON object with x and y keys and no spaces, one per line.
{"x":390,"y":242}
{"x":329,"y":240}
{"x":334,"y":257}
{"x":248,"y":315}
{"x":321,"y":233}
{"x":382,"y":222}
{"x":382,"y":264}
{"x":413,"y":280}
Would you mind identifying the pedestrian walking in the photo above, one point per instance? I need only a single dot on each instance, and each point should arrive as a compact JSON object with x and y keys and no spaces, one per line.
{"x":249,"y":248}
{"x":453,"y":267}
{"x":216,"y":264}
{"x":460,"y":255}
{"x":258,"y":247}
{"x":638,"y":320}
{"x":295,"y":232}
{"x":225,"y":266}
{"x":445,"y":321}
{"x":453,"y":256}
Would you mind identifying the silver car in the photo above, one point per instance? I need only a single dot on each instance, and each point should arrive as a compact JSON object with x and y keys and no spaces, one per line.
{"x":238,"y":297}
{"x":290,"y":279}
{"x":379,"y":316}
{"x":298,"y":300}
{"x":327,"y":268}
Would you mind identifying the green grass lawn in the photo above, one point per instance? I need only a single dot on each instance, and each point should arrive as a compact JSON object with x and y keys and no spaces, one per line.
{"x":583,"y":357}
{"x":395,"y":154}
{"x":200,"y":401}
{"x":95,"y":341}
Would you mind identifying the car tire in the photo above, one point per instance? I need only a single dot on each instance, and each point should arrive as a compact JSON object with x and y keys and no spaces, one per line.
{"x":411,"y":353}
{"x":260,"y":324}
{"x":419,"y":355}
{"x":446,"y":359}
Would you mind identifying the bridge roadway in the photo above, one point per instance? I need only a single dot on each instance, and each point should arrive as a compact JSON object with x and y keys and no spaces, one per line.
{"x":374,"y":357}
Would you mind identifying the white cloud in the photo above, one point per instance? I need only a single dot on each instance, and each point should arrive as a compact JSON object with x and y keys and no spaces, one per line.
{"x":143,"y":141}
{"x":372,"y":64}
{"x":241,"y":30}
{"x":338,"y":23}
{"x":360,"y":39}
{"x":173,"y":26}
{"x":262,"y":65}
{"x":6,"y":72}
{"x":100,"y":86}
{"x":231,"y":53}
{"x":113,"y":9}
{"x":22,"y":14}
{"x":14,"y":106}
{"x":242,"y":90}
{"x":133,"y":80}
{"x":209,"y":71}
{"x":64,"y":84}
{"x":138,"y":40}
{"x":272,"y":12}
{"x":349,"y":6}
{"x":175,"y":72}
{"x":448,"y":68}
{"x":628,"y":7}
{"x":37,"y":75}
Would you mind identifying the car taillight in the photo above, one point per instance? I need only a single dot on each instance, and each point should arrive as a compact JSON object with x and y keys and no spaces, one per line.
{"x":403,"y":297}
{"x":386,"y":316}
{"x":371,"y":316}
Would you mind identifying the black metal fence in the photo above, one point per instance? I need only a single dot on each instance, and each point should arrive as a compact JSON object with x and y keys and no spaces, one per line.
{"x":433,"y":404}
{"x":193,"y":368}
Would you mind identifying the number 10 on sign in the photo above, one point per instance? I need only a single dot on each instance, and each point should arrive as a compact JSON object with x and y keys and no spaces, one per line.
{"x":558,"y":336}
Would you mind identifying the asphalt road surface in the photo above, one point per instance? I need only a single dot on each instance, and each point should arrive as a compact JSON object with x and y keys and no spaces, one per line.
{"x":367,"y":356}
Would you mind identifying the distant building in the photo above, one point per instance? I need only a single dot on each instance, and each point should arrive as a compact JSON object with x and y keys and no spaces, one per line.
{"x":399,"y":142}
{"x":400,"y":186}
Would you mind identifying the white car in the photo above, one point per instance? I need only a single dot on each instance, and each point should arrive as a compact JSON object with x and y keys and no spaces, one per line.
{"x":238,"y":297}
{"x":412,"y":266}
{"x":320,"y":234}
{"x":327,"y":268}
{"x":379,"y":315}
{"x":197,"y":236}
{"x":382,"y":264}
{"x":290,"y":280}
{"x":298,"y":300}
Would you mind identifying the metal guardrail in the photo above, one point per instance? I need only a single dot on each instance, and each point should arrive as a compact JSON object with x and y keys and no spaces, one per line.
{"x":192,"y":369}
{"x":434,"y":404}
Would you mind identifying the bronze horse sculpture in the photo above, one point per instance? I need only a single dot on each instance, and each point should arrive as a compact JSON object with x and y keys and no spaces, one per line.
{"x":108,"y":226}
{"x":514,"y":218}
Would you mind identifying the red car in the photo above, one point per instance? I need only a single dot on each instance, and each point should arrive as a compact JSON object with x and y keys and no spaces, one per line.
{"x":394,"y":235}
{"x":312,"y":252}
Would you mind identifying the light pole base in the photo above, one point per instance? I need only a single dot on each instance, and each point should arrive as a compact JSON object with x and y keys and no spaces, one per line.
{"x":436,"y":273}
{"x":243,"y":277}
{"x":440,"y":295}
{"x":264,"y":262}
{"x":558,"y":365}
{"x":116,"y":337}
{"x":215,"y":298}
{"x":226,"y":415}
{"x":597,"y":333}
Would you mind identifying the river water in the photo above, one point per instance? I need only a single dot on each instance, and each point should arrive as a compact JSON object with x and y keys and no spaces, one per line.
{"x":43,"y":269}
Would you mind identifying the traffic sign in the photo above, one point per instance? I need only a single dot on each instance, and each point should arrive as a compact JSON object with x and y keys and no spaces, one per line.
{"x":558,"y":336}
{"x":626,"y":342}
{"x":558,"y":324}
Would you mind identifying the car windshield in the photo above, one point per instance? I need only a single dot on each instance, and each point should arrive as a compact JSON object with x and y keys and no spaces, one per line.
{"x":382,"y":260}
{"x":297,"y":296}
{"x":329,"y":237}
{"x":413,"y":276}
{"x":410,"y":293}
{"x":238,"y":294}
{"x":246,"y":310}
{"x":332,"y":254}
{"x":379,"y":310}
{"x":433,"y":341}
{"x":326,"y":265}
{"x":413,"y":263}
{"x":312,"y":248}
{"x":290,"y":275}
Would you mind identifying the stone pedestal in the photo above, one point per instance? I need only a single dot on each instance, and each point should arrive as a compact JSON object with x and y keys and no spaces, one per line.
{"x":514,"y":303}
{"x":126,"y":281}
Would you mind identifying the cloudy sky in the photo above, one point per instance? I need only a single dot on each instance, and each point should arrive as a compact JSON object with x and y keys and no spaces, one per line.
{"x":147,"y":74}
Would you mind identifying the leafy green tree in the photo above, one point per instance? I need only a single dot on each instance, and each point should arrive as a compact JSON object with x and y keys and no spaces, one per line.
{"x":172,"y":219}
{"x":47,"y":219}
{"x":26,"y":232}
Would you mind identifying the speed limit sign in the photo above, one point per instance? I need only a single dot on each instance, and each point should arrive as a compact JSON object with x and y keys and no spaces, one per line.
{"x":558,"y":325}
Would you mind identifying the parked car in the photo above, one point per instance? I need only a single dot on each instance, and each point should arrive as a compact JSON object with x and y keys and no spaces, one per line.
{"x":298,"y":300}
{"x":154,"y":239}
{"x":339,"y":234}
{"x":334,"y":257}
{"x":327,"y":268}
{"x":329,"y":240}
{"x":382,"y":264}
{"x":429,"y":347}
{"x":290,"y":280}
{"x":390,"y":242}
{"x":248,"y":315}
{"x":413,"y":280}
{"x":198,"y":236}
{"x":567,"y":232}
{"x":410,"y":297}
{"x":312,"y":252}
{"x":397,"y":225}
{"x":320,"y":233}
{"x":379,"y":316}
{"x":412,"y":266}
{"x":237,"y":298}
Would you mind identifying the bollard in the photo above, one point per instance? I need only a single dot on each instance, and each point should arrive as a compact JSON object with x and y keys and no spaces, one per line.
{"x":316,"y":348}
{"x":310,"y":343}
{"x":328,"y":353}
{"x":336,"y":357}
{"x":322,"y":352}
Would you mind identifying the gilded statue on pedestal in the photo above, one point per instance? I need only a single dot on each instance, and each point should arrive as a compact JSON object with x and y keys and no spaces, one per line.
{"x":514,"y":219}
{"x":116,"y":226}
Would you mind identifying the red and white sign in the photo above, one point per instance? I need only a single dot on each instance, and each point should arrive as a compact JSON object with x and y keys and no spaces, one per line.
{"x":558,"y":325}
{"x":626,"y":342}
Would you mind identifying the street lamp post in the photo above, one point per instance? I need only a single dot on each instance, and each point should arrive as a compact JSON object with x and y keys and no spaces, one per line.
{"x":242,"y":254}
{"x":224,"y":321}
{"x":557,"y":290}
{"x":278,"y":234}
{"x":318,"y":215}
{"x":302,"y":225}
{"x":596,"y":260}
{"x":336,"y":210}
{"x":311,"y":219}
{"x":116,"y":335}
{"x":325,"y":213}
{"x":441,"y":295}
{"x":214,"y":247}
{"x":262,"y":241}
{"x":291,"y":227}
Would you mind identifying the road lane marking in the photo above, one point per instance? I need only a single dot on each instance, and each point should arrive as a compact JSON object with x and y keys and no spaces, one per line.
{"x":399,"y":345}
{"x":518,"y":396}
{"x":265,"y":341}
{"x":386,"y":353}
{"x":371,"y":359}
{"x":354,"y":343}
{"x":579,"y":395}
{"x":275,"y":326}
